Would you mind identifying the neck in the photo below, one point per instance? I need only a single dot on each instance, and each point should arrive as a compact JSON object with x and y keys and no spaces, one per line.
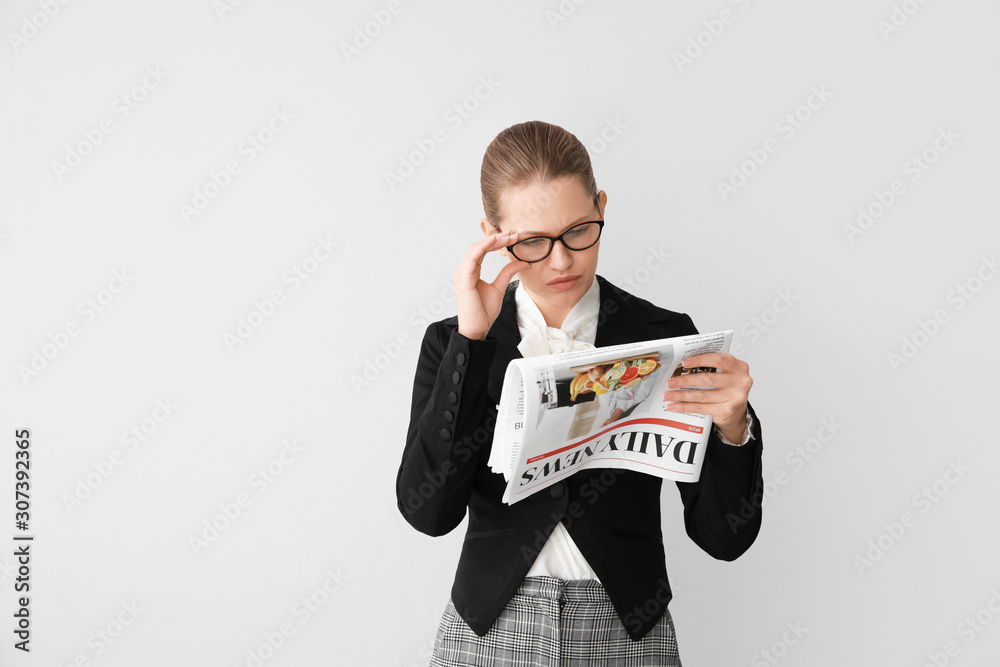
{"x":554,"y":315}
{"x":555,"y":320}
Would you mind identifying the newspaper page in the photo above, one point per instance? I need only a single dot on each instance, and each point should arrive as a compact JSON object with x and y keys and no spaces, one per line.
{"x":600,"y":408}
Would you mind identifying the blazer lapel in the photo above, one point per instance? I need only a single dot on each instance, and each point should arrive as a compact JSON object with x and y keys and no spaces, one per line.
{"x":505,"y":331}
{"x":618,"y":321}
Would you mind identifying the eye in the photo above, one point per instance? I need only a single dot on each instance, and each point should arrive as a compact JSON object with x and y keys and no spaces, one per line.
{"x":527,"y":244}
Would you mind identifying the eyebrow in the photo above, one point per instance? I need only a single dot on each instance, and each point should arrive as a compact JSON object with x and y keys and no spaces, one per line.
{"x":585,"y":218}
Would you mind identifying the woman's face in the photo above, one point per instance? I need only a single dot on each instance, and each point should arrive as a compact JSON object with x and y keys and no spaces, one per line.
{"x":557,"y":282}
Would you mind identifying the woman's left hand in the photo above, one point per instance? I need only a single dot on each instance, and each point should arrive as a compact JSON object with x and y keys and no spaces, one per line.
{"x":727,"y":402}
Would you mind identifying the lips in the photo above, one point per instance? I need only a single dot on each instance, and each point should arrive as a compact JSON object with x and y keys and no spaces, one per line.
{"x":564,"y":282}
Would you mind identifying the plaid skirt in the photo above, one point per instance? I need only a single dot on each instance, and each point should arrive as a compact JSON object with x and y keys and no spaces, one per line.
{"x":551,"y":622}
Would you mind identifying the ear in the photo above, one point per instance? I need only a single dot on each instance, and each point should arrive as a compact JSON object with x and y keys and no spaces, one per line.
{"x":489,"y":230}
{"x":602,"y":198}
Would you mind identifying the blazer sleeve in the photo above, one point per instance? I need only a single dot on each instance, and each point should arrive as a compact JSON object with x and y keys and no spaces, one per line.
{"x":449,"y":424}
{"x":722,"y":510}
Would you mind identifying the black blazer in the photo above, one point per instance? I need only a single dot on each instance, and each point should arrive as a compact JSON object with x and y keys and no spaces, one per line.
{"x":612,"y":515}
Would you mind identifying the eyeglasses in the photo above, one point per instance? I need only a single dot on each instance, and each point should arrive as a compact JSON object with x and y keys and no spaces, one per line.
{"x":577,"y":237}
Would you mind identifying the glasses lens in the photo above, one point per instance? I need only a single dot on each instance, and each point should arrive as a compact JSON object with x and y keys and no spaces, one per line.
{"x":531,"y":250}
{"x":582,"y":236}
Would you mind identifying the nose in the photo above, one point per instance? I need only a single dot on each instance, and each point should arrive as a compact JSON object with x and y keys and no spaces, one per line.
{"x":561,"y":257}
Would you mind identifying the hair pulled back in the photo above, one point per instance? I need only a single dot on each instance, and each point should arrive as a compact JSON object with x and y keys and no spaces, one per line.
{"x":531,"y":152}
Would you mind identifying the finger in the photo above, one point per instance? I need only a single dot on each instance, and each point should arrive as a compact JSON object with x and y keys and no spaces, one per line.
{"x":477,"y":250}
{"x":724,"y":361}
{"x":507,"y":273}
{"x":472,"y":260}
{"x":699,"y":396}
{"x":721,"y":380}
{"x":727,"y":387}
{"x":698,"y":380}
{"x":721,"y":360}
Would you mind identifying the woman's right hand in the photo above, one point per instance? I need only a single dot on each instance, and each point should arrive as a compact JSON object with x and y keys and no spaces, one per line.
{"x":478,"y":301}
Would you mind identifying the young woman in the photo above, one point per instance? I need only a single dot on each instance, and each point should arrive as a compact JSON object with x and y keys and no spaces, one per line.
{"x":575,"y":574}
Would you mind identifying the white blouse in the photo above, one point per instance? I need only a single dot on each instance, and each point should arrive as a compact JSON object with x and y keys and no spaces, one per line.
{"x":560,"y":557}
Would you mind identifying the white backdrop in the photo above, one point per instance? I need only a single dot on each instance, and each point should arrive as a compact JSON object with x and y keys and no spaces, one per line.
{"x":224,"y":227}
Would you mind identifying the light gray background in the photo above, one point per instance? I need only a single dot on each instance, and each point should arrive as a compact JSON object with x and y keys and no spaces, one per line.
{"x":681,"y":130}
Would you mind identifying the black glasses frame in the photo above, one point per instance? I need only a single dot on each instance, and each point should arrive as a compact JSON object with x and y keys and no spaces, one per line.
{"x":552,"y":241}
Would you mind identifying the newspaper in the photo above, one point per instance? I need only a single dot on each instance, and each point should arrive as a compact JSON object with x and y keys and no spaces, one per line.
{"x":600,"y":408}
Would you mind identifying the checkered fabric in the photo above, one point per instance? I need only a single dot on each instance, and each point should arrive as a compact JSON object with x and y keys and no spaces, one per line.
{"x":552,"y":622}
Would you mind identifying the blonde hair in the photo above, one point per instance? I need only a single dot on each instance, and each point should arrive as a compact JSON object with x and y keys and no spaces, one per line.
{"x":531,"y":152}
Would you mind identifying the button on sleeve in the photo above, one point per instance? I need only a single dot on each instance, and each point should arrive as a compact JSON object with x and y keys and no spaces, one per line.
{"x":449,"y":404}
